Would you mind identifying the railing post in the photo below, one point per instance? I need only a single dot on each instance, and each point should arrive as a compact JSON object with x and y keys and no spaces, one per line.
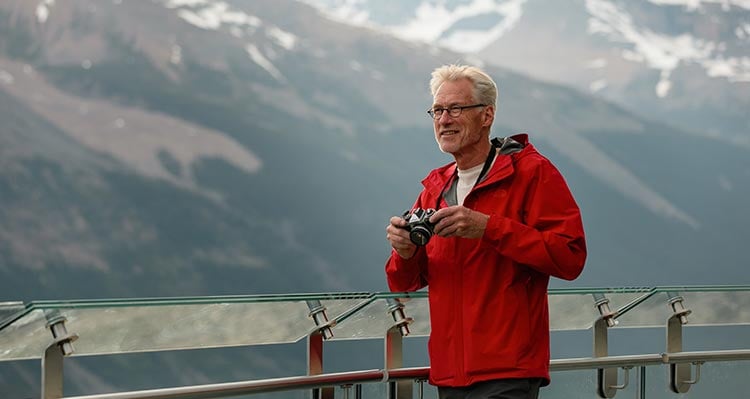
{"x":394,"y":350}
{"x":52,"y":362}
{"x":642,"y":382}
{"x":315,"y":346}
{"x":680,"y":374}
{"x":606,"y":378}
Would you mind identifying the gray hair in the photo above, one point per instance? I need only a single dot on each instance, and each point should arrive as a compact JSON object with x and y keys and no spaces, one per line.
{"x":485,"y":89}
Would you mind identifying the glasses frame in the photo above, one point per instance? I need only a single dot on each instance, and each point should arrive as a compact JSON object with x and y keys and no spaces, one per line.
{"x":454,"y":111}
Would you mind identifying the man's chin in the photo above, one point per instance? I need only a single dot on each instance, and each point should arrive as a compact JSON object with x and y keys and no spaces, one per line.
{"x":447,"y":146}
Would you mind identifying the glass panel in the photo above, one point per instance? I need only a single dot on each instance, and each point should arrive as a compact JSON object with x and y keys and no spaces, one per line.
{"x":576,"y":311}
{"x":374,"y":320}
{"x":707,"y":308}
{"x":8,"y":309}
{"x":118,"y":329}
{"x":569,"y":310}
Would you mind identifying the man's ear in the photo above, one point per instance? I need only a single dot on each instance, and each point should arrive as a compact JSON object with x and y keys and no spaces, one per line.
{"x":489,"y":115}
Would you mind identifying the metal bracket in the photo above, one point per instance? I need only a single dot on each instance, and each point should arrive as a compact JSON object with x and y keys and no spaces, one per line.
{"x":315,"y":346}
{"x":394,"y":350}
{"x":606,"y":379}
{"x":52,"y":362}
{"x":680,"y":374}
{"x":318,"y":314}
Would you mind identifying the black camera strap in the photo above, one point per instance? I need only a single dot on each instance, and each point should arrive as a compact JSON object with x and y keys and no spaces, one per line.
{"x":506,"y":145}
{"x":449,"y":188}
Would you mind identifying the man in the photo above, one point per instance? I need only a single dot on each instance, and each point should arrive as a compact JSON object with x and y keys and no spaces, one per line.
{"x":506,"y":222}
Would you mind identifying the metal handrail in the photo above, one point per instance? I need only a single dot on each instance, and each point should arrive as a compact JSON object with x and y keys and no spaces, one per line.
{"x":410,"y":373}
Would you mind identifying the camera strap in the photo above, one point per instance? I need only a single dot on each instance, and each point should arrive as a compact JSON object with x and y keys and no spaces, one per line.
{"x":506,"y":145}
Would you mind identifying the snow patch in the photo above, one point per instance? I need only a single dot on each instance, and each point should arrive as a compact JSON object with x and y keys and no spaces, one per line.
{"x":743,"y":31}
{"x":42,"y":10}
{"x":215,"y":15}
{"x":664,"y":85}
{"x":733,"y":69}
{"x":433,"y":20}
{"x":662,"y":52}
{"x":283,"y":38}
{"x":597,"y":85}
{"x":175,"y":55}
{"x":211,"y":15}
{"x":6,"y":77}
{"x":351,"y":11}
{"x":185,"y":3}
{"x":596,"y":63}
{"x":377,"y":75}
{"x":694,"y":5}
{"x":257,"y":56}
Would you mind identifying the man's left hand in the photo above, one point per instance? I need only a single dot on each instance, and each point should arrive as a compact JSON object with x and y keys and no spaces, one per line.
{"x":459,"y":221}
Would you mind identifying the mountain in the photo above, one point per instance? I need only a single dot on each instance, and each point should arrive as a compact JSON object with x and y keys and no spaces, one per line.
{"x":188,"y":147}
{"x":682,"y":62}
{"x":248,"y":148}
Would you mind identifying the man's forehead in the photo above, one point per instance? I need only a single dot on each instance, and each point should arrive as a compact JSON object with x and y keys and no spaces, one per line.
{"x":454,"y":91}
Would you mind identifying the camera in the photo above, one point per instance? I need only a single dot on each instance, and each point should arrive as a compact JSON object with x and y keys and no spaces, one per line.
{"x":419,"y":226}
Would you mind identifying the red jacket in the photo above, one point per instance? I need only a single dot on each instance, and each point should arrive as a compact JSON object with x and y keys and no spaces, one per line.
{"x":488,"y":297}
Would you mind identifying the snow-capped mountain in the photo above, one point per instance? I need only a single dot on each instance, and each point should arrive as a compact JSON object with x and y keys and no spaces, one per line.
{"x":684,"y":62}
{"x":221,"y":101}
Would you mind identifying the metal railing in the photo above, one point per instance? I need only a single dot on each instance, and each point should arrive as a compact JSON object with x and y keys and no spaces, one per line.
{"x":247,"y":321}
{"x":406,"y":374}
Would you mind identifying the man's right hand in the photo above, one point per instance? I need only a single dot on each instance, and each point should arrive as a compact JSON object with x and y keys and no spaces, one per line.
{"x":398,"y":236}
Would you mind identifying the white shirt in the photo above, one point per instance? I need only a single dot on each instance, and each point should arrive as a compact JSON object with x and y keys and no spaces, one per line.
{"x":466,"y":180}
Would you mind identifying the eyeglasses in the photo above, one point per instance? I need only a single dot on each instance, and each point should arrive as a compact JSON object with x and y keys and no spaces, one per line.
{"x":454,"y":111}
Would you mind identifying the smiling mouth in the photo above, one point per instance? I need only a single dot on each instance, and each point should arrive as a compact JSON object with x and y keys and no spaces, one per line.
{"x":448,"y":133}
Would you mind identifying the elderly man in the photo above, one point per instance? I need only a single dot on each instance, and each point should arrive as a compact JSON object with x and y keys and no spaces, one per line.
{"x":505,"y":222}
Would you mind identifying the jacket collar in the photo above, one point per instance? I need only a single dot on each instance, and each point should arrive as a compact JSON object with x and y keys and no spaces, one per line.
{"x":503,"y":167}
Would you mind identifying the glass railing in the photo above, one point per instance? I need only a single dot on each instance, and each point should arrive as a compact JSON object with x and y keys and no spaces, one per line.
{"x":143,"y":325}
{"x":632,"y":361}
{"x":8,"y":310}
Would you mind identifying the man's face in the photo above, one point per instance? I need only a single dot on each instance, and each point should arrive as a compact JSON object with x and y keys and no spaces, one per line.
{"x":462,"y":135}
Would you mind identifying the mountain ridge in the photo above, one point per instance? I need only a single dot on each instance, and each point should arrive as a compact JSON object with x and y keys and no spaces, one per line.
{"x":234,"y":108}
{"x":681,"y":62}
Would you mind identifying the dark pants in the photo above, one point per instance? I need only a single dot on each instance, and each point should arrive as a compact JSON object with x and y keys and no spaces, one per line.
{"x":522,"y":388}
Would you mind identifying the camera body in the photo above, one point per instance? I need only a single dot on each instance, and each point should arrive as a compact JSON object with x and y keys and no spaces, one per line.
{"x":419,"y":226}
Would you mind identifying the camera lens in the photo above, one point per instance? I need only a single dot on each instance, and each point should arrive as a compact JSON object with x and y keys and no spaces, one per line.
{"x":420,"y":235}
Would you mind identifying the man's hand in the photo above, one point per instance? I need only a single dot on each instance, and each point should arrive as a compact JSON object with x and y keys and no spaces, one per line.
{"x":399,"y":238}
{"x":459,"y":221}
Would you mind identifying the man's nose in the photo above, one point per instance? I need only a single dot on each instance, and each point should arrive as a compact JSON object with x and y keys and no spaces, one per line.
{"x":445,"y":118}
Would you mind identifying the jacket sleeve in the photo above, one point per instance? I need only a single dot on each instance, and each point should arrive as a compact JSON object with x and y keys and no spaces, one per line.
{"x":550,"y":236}
{"x":405,"y":275}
